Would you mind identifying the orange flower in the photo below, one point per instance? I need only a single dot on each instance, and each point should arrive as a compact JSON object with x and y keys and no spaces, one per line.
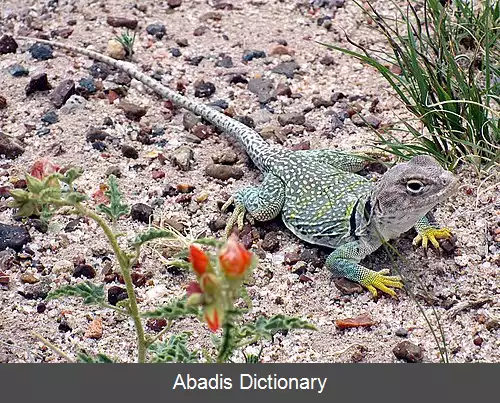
{"x":234,"y":258}
{"x":199,"y":260}
{"x":213,"y":315}
{"x":42,"y":168}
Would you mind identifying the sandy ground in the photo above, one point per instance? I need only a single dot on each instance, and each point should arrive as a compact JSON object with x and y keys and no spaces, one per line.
{"x":450,"y":283}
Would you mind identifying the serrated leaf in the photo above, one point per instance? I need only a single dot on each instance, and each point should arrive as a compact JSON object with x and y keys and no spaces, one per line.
{"x":50,"y":193}
{"x":100,"y":358}
{"x":152,"y":234}
{"x":75,"y":197}
{"x":19,"y":195}
{"x":174,"y":310}
{"x":33,"y":184}
{"x":71,"y":175}
{"x":90,"y":293}
{"x":116,"y":208}
{"x":173,"y":350}
{"x":281,"y":322}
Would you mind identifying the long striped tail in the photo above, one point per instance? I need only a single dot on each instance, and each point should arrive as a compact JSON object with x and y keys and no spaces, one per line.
{"x":259,"y":151}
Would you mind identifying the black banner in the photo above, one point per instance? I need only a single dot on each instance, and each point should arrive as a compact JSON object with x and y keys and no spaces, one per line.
{"x":123,"y":383}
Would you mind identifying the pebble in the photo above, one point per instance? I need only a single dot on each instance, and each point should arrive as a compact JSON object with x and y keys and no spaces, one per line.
{"x":73,"y":225}
{"x":100,"y":70}
{"x":223,"y":172}
{"x":263,"y":88}
{"x":368,"y":120}
{"x":303,"y":145}
{"x":200,"y":31}
{"x":130,"y":152}
{"x":183,"y":157}
{"x":175,"y":52}
{"x":227,"y":157}
{"x":38,"y":82}
{"x":94,"y":134}
{"x":50,"y":118}
{"x":492,"y":325}
{"x":182,"y":42}
{"x":116,"y":294}
{"x":360,"y":321}
{"x":39,"y":225}
{"x":288,"y":69}
{"x":156,"y":325}
{"x":327,"y":60}
{"x":478,"y":341}
{"x":204,"y":90}
{"x":283,"y":90}
{"x":190,"y":120}
{"x":14,"y":237}
{"x":94,"y":330}
{"x":174,"y":3}
{"x":7,"y":45}
{"x":249,"y":55}
{"x":116,"y":50}
{"x":157,"y":30}
{"x":157,"y":174}
{"x":224,"y":61}
{"x":44,"y":131}
{"x":40,"y":308}
{"x":125,"y":22}
{"x":37,"y":290}
{"x":347,"y":287}
{"x":41,"y":51}
{"x":271,"y":242}
{"x":217,"y":224}
{"x":313,"y":257}
{"x":62,"y":93}
{"x":16,"y":70}
{"x":86,"y":86}
{"x":291,"y":258}
{"x":132,"y":111}
{"x":28,"y":278}
{"x":4,"y":278}
{"x":291,"y":119}
{"x":237,"y":79}
{"x":402,"y":332}
{"x":246,"y":120}
{"x":321,"y":102}
{"x":62,"y":266}
{"x":202,"y":131}
{"x":141,"y":212}
{"x":3,"y":102}
{"x":281,"y":50}
{"x":84,"y":270}
{"x":408,"y":352}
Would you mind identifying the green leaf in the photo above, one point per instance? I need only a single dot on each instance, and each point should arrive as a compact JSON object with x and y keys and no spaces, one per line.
{"x":174,"y":310}
{"x":76,"y":197}
{"x":173,"y":350}
{"x":90,"y":293}
{"x":210,"y":242}
{"x":100,"y":358}
{"x":71,"y":175}
{"x":270,"y":326}
{"x":116,"y":208}
{"x":152,"y":234}
{"x":34,"y":185}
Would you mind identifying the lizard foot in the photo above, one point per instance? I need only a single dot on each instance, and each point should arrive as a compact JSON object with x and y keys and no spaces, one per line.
{"x":237,"y":217}
{"x":432,"y":235}
{"x":374,"y":280}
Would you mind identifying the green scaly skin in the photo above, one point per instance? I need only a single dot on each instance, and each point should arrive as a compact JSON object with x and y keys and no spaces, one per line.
{"x":320,"y":197}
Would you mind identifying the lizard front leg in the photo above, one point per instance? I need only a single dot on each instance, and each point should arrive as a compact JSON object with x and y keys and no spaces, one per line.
{"x":344,"y":261}
{"x":261,"y":203}
{"x":429,"y":231}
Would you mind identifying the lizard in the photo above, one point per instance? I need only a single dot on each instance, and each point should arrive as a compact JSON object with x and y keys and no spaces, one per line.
{"x":319,"y":194}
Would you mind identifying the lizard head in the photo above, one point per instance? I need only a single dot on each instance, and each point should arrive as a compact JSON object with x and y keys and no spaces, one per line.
{"x":408,"y":191}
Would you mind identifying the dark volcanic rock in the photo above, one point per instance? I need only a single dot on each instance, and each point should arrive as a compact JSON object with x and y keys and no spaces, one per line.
{"x":62,"y":93}
{"x":409,"y":352}
{"x":263,"y":88}
{"x":13,"y":237}
{"x":130,"y":23}
{"x":41,"y":51}
{"x":141,"y":212}
{"x":38,"y":82}
{"x":288,"y":69}
{"x":10,"y":147}
{"x":7,"y":45}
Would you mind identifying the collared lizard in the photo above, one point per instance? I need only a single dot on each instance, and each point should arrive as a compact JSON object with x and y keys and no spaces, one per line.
{"x":320,"y":197}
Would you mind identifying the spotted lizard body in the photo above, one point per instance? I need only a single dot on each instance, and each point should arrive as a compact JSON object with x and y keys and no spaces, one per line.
{"x":318,"y":194}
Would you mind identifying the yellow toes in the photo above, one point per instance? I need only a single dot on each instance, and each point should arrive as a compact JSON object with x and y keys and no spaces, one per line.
{"x":381,"y":281}
{"x":432,"y":235}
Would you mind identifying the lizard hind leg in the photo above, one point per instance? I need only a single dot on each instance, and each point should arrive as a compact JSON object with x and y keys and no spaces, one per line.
{"x":261,"y":203}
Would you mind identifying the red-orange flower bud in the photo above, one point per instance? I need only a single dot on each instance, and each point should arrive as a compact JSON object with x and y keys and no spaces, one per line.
{"x":209,"y":283}
{"x":234,"y":258}
{"x":213,"y":315}
{"x":193,"y":288}
{"x":42,"y":168}
{"x":199,"y":260}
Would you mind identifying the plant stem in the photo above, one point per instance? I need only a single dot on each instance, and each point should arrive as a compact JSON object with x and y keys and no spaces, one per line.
{"x":163,"y":331}
{"x":54,"y":348}
{"x":125,"y":265}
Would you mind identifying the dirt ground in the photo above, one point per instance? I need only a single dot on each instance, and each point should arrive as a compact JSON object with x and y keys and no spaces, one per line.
{"x":463,"y":288}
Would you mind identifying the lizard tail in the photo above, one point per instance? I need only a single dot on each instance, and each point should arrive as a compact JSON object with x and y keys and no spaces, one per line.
{"x":254,"y":144}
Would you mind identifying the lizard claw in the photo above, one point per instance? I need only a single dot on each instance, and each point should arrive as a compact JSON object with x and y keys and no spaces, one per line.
{"x":237,"y":217}
{"x":432,"y":235}
{"x":380,"y":280}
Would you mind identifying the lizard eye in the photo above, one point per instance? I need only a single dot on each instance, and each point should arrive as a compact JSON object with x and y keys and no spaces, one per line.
{"x":414,"y":186}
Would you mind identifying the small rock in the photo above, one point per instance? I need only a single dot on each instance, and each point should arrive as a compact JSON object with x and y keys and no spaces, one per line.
{"x":84,"y":270}
{"x":86,"y":86}
{"x":38,"y":290}
{"x":360,"y":321}
{"x":62,"y":93}
{"x":313,"y":257}
{"x":157,"y":30}
{"x":220,"y":104}
{"x":347,"y":287}
{"x":16,"y":70}
{"x":291,"y":119}
{"x":190,"y":120}
{"x":337,"y":96}
{"x":157,"y":174}
{"x":129,"y":152}
{"x":402,"y":332}
{"x":41,"y":51}
{"x":217,"y":224}
{"x":281,"y":50}
{"x":75,"y":102}
{"x":237,"y":79}
{"x":7,"y":45}
{"x":228,"y":157}
{"x":492,"y":325}
{"x":64,"y":326}
{"x":183,"y":157}
{"x":283,"y":90}
{"x":224,"y":61}
{"x":327,"y":60}
{"x":409,"y":352}
{"x":478,"y":341}
{"x":202,"y":131}
{"x":156,"y":325}
{"x":263,"y":88}
{"x":100,"y":70}
{"x":40,"y":308}
{"x":321,"y":102}
{"x":125,"y":22}
{"x":50,"y":118}
{"x":94,"y":134}
{"x":271,"y":242}
{"x":13,"y":237}
{"x":4,"y":278}
{"x":72,"y":225}
{"x":114,"y":170}
{"x":116,"y":294}
{"x":369,"y":120}
{"x":200,"y":30}
{"x":175,"y":52}
{"x":141,"y":212}
{"x":174,"y":3}
{"x":249,"y":55}
{"x":182,"y":42}
{"x":288,"y":69}
{"x":38,"y":82}
{"x":28,"y":278}
{"x":291,"y":258}
{"x":94,"y":330}
{"x":223,"y":172}
{"x":196,"y":60}
{"x":204,"y":90}
{"x":116,"y":50}
{"x":39,"y":225}
{"x":303,"y":145}
{"x":3,"y":102}
{"x":132,"y":111}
